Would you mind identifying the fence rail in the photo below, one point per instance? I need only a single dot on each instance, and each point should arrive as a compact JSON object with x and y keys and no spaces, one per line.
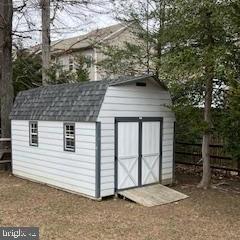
{"x":190,"y":154}
{"x":5,"y":152}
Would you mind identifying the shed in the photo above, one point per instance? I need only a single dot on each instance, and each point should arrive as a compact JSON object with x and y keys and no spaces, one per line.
{"x":95,"y":138}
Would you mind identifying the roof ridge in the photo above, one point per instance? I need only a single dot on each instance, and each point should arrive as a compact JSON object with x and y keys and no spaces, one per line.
{"x":92,"y":31}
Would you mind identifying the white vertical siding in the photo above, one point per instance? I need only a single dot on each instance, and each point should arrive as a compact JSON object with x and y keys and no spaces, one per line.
{"x":133,"y":101}
{"x":49,"y":163}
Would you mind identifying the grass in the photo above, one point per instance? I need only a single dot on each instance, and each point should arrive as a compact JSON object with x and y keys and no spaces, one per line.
{"x":206,"y":214}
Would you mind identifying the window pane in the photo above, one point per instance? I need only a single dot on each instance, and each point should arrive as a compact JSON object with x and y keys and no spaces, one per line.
{"x":34,"y":139}
{"x":34,"y":130}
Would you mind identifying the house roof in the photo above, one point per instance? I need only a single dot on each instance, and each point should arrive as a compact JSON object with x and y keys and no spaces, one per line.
{"x":67,"y":102}
{"x":84,"y":41}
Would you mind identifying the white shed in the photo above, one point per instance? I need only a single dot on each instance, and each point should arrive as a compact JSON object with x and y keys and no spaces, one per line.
{"x":95,"y":138}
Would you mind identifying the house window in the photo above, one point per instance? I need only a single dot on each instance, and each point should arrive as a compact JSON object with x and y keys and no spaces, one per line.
{"x":69,"y":137}
{"x":71,"y":64}
{"x":89,"y":60}
{"x":59,"y":62}
{"x":33,"y":134}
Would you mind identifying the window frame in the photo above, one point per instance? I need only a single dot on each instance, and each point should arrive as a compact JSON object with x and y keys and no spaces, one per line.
{"x":65,"y":148}
{"x":33,"y":134}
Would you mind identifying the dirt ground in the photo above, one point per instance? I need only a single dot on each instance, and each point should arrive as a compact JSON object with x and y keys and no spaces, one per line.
{"x":206,"y":214}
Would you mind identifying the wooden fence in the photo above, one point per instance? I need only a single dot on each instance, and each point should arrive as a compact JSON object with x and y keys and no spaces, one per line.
{"x":5,"y":152}
{"x":185,"y":153}
{"x":189,"y":153}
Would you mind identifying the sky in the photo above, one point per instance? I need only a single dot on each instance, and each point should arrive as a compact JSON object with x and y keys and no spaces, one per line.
{"x":69,"y":21}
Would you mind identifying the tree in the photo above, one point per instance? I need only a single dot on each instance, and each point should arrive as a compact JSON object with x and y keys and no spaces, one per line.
{"x":82,"y":65}
{"x":58,"y":6}
{"x":23,"y":16}
{"x":56,"y":15}
{"x":46,"y":57}
{"x":57,"y":74}
{"x":146,"y":21}
{"x":190,"y":45}
{"x":200,"y":43}
{"x":27,"y":71}
{"x":231,"y":124}
{"x":6,"y":87}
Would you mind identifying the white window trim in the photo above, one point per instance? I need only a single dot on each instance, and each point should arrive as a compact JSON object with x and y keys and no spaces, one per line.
{"x":33,"y":134}
{"x":66,"y":148}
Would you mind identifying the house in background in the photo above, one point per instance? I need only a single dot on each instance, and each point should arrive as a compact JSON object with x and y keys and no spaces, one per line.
{"x":64,"y":51}
{"x":95,"y":138}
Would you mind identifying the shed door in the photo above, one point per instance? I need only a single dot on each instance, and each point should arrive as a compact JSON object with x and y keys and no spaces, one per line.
{"x":128,"y":152}
{"x":150,"y":152}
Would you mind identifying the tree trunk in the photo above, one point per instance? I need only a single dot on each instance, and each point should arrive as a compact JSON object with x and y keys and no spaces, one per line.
{"x":238,"y":165}
{"x":148,"y":49}
{"x":6,"y":85}
{"x":209,"y":75}
{"x":206,"y":177}
{"x":45,"y":5}
{"x":161,"y":18}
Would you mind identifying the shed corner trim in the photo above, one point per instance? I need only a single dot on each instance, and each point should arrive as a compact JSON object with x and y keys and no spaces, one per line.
{"x":98,"y":161}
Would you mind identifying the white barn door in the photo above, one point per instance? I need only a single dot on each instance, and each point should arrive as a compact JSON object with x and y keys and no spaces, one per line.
{"x":150,"y":152}
{"x":138,"y":152}
{"x":128,"y":152}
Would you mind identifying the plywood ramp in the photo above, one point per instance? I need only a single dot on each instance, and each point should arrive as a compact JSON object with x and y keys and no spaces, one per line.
{"x":153,"y":195}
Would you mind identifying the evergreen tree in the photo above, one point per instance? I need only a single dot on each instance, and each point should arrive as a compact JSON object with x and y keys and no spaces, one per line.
{"x":192,"y":45}
{"x":82,"y":65}
{"x":231,"y":124}
{"x":26,"y":71}
{"x":80,"y":73}
{"x":200,"y":41}
{"x":146,"y":22}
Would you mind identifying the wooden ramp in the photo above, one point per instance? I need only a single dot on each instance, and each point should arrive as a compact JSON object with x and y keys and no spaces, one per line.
{"x":153,"y":195}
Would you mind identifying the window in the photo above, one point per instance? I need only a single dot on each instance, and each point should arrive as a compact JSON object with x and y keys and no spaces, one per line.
{"x":61,"y":63}
{"x":33,"y":134}
{"x":141,"y":84}
{"x":71,"y":64}
{"x":88,"y":60}
{"x":69,"y":137}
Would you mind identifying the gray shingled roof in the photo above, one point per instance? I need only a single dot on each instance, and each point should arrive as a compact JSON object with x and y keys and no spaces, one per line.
{"x":65,"y":102}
